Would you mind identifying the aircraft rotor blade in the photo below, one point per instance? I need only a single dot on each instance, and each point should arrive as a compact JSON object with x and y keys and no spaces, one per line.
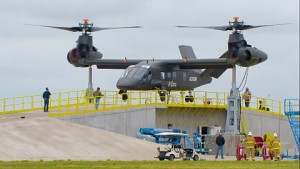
{"x":87,"y":29}
{"x":221,"y":28}
{"x":94,"y":29}
{"x":246,"y":27}
{"x":232,"y":27}
{"x":71,"y":29}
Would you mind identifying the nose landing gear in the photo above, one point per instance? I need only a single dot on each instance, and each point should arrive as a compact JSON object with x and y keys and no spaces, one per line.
{"x":189,"y":97}
{"x":124,"y":94}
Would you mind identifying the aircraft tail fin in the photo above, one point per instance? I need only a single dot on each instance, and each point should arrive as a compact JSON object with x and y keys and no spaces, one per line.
{"x":187,"y":52}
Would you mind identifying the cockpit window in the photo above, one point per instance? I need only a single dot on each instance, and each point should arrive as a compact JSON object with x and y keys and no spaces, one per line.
{"x":132,"y":72}
{"x":126,"y":72}
{"x":141,"y":72}
{"x":136,"y":72}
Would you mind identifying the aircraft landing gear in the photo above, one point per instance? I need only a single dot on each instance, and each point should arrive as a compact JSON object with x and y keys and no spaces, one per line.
{"x":189,"y":98}
{"x":124,"y":94}
{"x":162,"y":96}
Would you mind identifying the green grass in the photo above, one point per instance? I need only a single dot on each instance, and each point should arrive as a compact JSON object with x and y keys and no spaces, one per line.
{"x":150,"y":164}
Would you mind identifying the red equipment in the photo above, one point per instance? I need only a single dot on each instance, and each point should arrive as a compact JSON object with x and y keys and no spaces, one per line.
{"x":267,"y":154}
{"x":259,"y":142}
{"x":240,"y":152}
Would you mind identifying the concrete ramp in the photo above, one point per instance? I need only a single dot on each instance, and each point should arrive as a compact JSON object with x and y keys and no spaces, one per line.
{"x":41,"y":138}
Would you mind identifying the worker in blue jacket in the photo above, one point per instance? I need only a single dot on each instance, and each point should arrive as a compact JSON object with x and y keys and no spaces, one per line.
{"x":46,"y":97}
{"x":220,"y":141}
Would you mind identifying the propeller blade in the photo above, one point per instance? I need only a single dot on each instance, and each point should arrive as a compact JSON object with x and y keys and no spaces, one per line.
{"x":72,"y":29}
{"x":221,"y":28}
{"x":246,"y":27}
{"x":232,"y":27}
{"x":94,"y":29}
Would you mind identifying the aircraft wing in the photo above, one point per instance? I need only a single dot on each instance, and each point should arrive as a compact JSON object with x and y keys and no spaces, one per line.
{"x":220,"y":63}
{"x":112,"y":63}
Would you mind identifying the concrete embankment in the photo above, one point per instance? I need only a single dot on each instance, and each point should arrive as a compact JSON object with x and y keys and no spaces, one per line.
{"x":37,"y":137}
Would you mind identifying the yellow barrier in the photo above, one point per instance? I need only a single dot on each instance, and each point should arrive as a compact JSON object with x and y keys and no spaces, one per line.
{"x":82,"y":102}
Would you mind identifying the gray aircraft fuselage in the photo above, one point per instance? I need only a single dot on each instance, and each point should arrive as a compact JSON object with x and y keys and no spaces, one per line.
{"x":149,"y":75}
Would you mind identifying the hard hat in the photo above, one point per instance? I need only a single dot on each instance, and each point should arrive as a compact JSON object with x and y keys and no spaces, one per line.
{"x":275,"y":134}
{"x":250,"y":133}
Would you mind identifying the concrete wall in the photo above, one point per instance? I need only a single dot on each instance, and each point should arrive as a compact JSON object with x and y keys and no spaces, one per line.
{"x":125,"y":122}
{"x":190,"y":119}
{"x":128,"y":122}
{"x":261,"y":123}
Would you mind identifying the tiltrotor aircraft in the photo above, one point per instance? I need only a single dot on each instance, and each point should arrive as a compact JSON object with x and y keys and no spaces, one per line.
{"x":172,"y":74}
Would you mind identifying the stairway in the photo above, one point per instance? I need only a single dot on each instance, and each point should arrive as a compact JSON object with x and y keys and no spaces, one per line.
{"x":291,"y":110}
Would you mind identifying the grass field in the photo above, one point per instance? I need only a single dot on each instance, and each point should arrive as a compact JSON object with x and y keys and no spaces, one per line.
{"x":150,"y":164}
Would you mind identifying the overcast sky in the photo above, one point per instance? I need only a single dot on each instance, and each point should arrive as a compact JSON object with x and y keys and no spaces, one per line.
{"x":33,"y":58}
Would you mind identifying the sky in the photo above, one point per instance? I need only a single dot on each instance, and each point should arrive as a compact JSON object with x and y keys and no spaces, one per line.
{"x":33,"y":58}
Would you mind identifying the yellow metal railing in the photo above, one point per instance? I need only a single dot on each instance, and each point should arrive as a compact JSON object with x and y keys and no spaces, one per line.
{"x":82,"y":102}
{"x":265,"y":105}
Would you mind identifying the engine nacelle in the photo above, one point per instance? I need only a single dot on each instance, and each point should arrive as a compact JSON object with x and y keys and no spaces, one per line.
{"x":250,"y":56}
{"x":77,"y":57}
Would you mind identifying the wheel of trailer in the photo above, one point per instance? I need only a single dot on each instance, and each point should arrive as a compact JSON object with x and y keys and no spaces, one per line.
{"x":171,"y":157}
{"x":196,"y":158}
{"x":161,"y":159}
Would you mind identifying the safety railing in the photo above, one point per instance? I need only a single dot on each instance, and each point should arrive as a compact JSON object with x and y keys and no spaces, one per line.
{"x":265,"y":105}
{"x":82,"y":102}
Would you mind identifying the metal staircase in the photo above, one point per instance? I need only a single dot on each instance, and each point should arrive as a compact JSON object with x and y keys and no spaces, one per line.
{"x":291,"y":110}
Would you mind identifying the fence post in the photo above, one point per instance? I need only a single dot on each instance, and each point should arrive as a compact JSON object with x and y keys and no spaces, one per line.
{"x":104,"y":99}
{"x":32,"y":103}
{"x":77,"y":106}
{"x":4,"y":105}
{"x":59,"y":101}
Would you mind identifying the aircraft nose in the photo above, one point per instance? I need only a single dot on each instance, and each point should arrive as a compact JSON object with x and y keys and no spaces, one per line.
{"x":127,"y":83}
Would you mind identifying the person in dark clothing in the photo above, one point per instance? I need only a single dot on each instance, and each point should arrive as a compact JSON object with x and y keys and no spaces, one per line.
{"x":46,"y":96}
{"x":220,"y":141}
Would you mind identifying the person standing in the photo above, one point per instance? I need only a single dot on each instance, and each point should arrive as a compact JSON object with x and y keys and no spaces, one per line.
{"x":250,"y":144}
{"x":46,"y":97}
{"x":220,"y":141}
{"x":97,"y":94}
{"x":247,"y":97}
{"x":275,"y":143}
